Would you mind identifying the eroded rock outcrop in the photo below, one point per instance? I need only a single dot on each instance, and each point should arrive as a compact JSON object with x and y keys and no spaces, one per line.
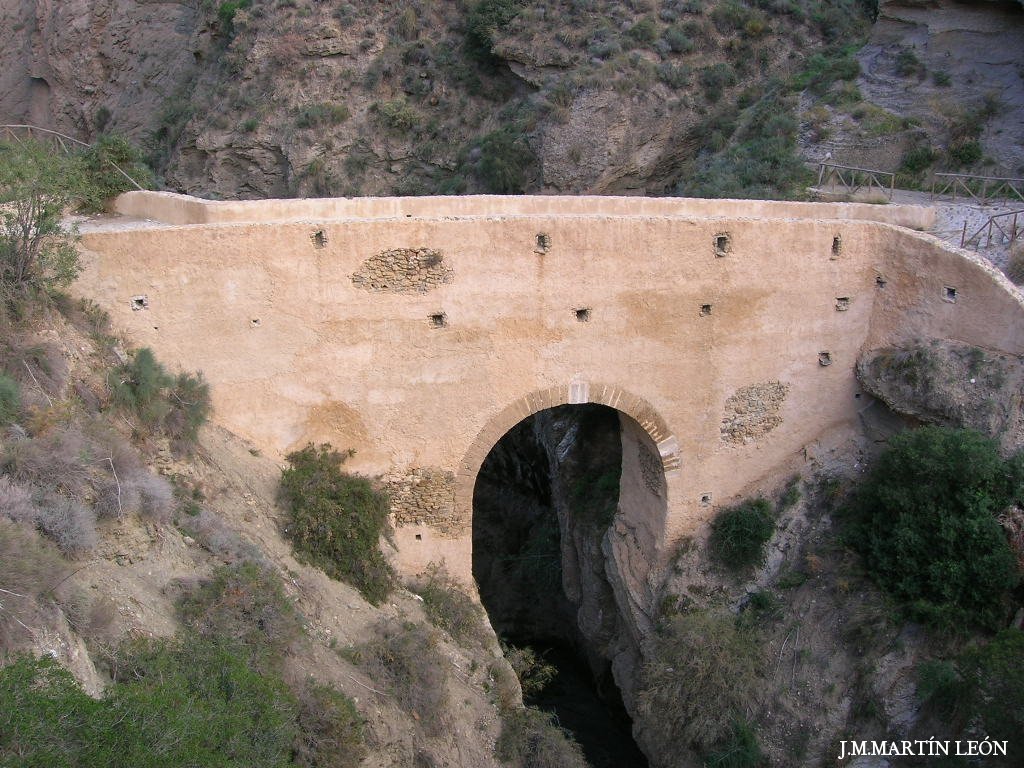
{"x":950,"y":384}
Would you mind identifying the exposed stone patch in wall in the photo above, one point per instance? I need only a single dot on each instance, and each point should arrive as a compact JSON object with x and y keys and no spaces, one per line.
{"x":651,"y":469}
{"x":753,"y":411}
{"x":425,"y":495}
{"x":403,"y":270}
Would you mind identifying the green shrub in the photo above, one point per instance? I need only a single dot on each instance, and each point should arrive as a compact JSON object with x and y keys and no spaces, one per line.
{"x":965,"y":153}
{"x":644,"y":31}
{"x":715,"y":78}
{"x":738,"y":750}
{"x":674,"y":75}
{"x":917,"y":160}
{"x":942,"y":79}
{"x":409,"y":24}
{"x":233,"y":711}
{"x":226,"y":15}
{"x":530,"y":739}
{"x":45,"y":716}
{"x":485,"y":20}
{"x":731,"y":16}
{"x":791,"y":495}
{"x":677,"y":40}
{"x":319,"y":114}
{"x":336,"y":520}
{"x":448,"y":606}
{"x":1015,"y":264}
{"x":907,"y":64}
{"x":138,"y":386}
{"x":822,"y":70}
{"x":10,"y":400}
{"x":982,"y":689}
{"x":698,"y":677}
{"x":761,"y":163}
{"x":246,"y":605}
{"x":941,"y":687}
{"x":330,"y":730}
{"x":176,"y":406}
{"x":32,"y":566}
{"x":506,"y":161}
{"x":37,"y":255}
{"x":189,"y":399}
{"x":397,"y":115}
{"x":738,"y":534}
{"x":924,"y":520}
{"x":595,"y":497}
{"x":533,"y":672}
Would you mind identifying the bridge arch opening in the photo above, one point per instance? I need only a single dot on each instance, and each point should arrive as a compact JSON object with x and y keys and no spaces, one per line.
{"x":568,"y":507}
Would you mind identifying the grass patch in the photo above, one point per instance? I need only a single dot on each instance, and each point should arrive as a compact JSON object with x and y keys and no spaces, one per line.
{"x":173,"y":703}
{"x":739,"y":749}
{"x":698,"y":677}
{"x":331,"y":730}
{"x":1015,"y":263}
{"x":739,"y":534}
{"x":320,"y":114}
{"x":448,"y":606}
{"x":407,"y":659}
{"x":10,"y":400}
{"x":981,"y":690}
{"x":530,"y":739}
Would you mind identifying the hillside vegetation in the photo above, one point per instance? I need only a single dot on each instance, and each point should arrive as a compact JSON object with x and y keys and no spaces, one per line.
{"x":152,"y":610}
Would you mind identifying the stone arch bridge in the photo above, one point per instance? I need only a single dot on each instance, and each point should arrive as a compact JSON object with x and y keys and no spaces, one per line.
{"x":417,"y":331}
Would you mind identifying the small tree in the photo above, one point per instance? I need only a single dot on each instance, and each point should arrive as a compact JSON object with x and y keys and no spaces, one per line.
{"x":36,"y":253}
{"x":107,"y":166}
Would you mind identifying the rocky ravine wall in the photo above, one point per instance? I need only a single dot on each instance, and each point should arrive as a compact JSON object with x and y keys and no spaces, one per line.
{"x":661,"y":309}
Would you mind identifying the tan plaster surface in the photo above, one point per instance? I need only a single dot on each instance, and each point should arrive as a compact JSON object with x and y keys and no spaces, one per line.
{"x":295,"y":351}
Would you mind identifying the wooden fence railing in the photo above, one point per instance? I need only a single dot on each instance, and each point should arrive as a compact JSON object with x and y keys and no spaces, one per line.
{"x":1003,"y":228}
{"x":852,"y":179}
{"x":980,"y":188}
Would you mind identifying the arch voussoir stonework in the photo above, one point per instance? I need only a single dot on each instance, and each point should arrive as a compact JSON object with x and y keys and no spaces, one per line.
{"x":576,"y":392}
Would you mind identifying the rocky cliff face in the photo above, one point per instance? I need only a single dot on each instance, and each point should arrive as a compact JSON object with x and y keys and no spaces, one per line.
{"x":83,"y":66}
{"x":941,"y":77}
{"x":312,"y":98}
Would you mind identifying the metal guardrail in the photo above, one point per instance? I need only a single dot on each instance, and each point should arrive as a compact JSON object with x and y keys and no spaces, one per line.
{"x":996,"y":231}
{"x":980,"y":188}
{"x":66,"y":144}
{"x":853,"y":179}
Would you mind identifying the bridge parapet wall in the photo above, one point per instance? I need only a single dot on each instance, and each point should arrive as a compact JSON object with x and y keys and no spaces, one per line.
{"x":171,"y":208}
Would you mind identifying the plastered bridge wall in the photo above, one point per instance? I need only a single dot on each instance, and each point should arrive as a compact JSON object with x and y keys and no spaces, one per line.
{"x":418,"y":331}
